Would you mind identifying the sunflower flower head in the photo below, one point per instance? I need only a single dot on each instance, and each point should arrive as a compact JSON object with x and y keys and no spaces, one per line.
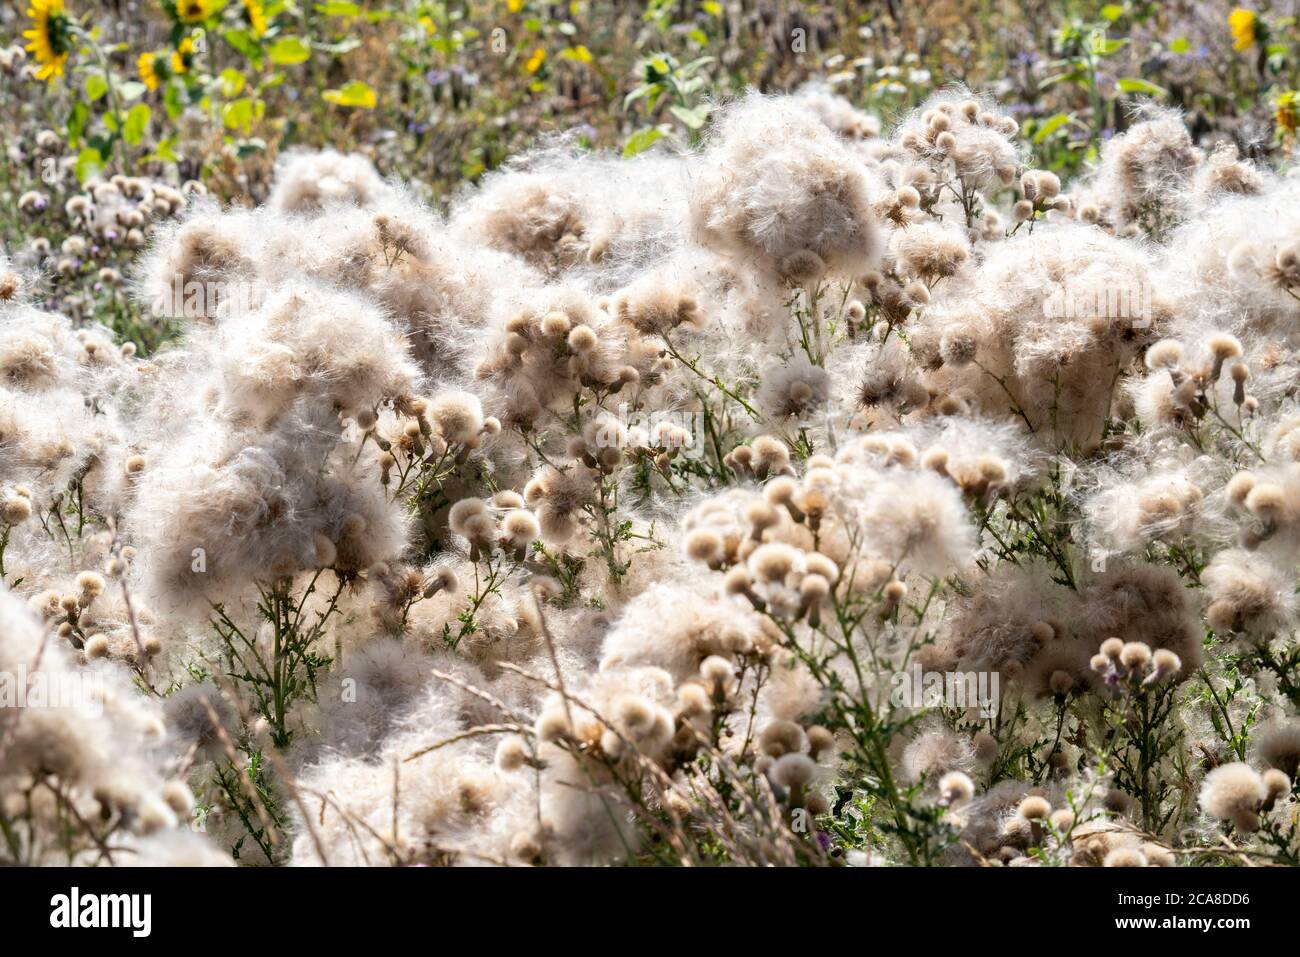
{"x":255,"y":13}
{"x":183,"y":56}
{"x":1286,"y":115}
{"x":195,"y":11}
{"x":152,"y":70}
{"x":1243,"y":23}
{"x":50,"y":38}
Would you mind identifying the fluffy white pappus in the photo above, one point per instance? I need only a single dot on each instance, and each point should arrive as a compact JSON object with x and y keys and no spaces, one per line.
{"x":545,"y":345}
{"x":307,"y":182}
{"x":929,"y":251}
{"x":877,"y":384}
{"x":742,"y":305}
{"x":200,"y":720}
{"x":791,"y":693}
{"x":1129,"y":511}
{"x":586,"y":824}
{"x":1224,"y":172}
{"x":218,"y":514}
{"x":1145,"y":170}
{"x":595,"y":216}
{"x":1140,"y":601}
{"x":177,"y":848}
{"x":310,"y":341}
{"x":1266,"y":503}
{"x":983,"y":818}
{"x":656,"y":304}
{"x":505,"y":627}
{"x":449,"y":805}
{"x":1048,"y":321}
{"x":838,"y":114}
{"x":1013,"y":613}
{"x":933,"y":751}
{"x":1282,"y":443}
{"x":39,"y":350}
{"x":630,"y":720}
{"x":44,"y":439}
{"x":981,"y":454}
{"x":442,"y":296}
{"x":436,"y":288}
{"x":525,"y":216}
{"x":913,"y":519}
{"x":85,"y":731}
{"x":677,"y":626}
{"x":195,"y":267}
{"x":1237,"y":264}
{"x":1277,"y":744}
{"x":13,"y":285}
{"x":1248,"y":594}
{"x":346,"y":248}
{"x":558,"y":499}
{"x":962,"y":135}
{"x":46,"y":368}
{"x":723,"y":529}
{"x":795,"y":389}
{"x":781,"y":190}
{"x":366,"y":696}
{"x":1234,"y":792}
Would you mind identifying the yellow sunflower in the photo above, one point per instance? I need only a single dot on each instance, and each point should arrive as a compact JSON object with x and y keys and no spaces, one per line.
{"x":50,"y":36}
{"x":256,"y":15}
{"x":1286,"y":114}
{"x":183,"y":57}
{"x":194,"y":11}
{"x":147,"y":66}
{"x":1242,"y":24}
